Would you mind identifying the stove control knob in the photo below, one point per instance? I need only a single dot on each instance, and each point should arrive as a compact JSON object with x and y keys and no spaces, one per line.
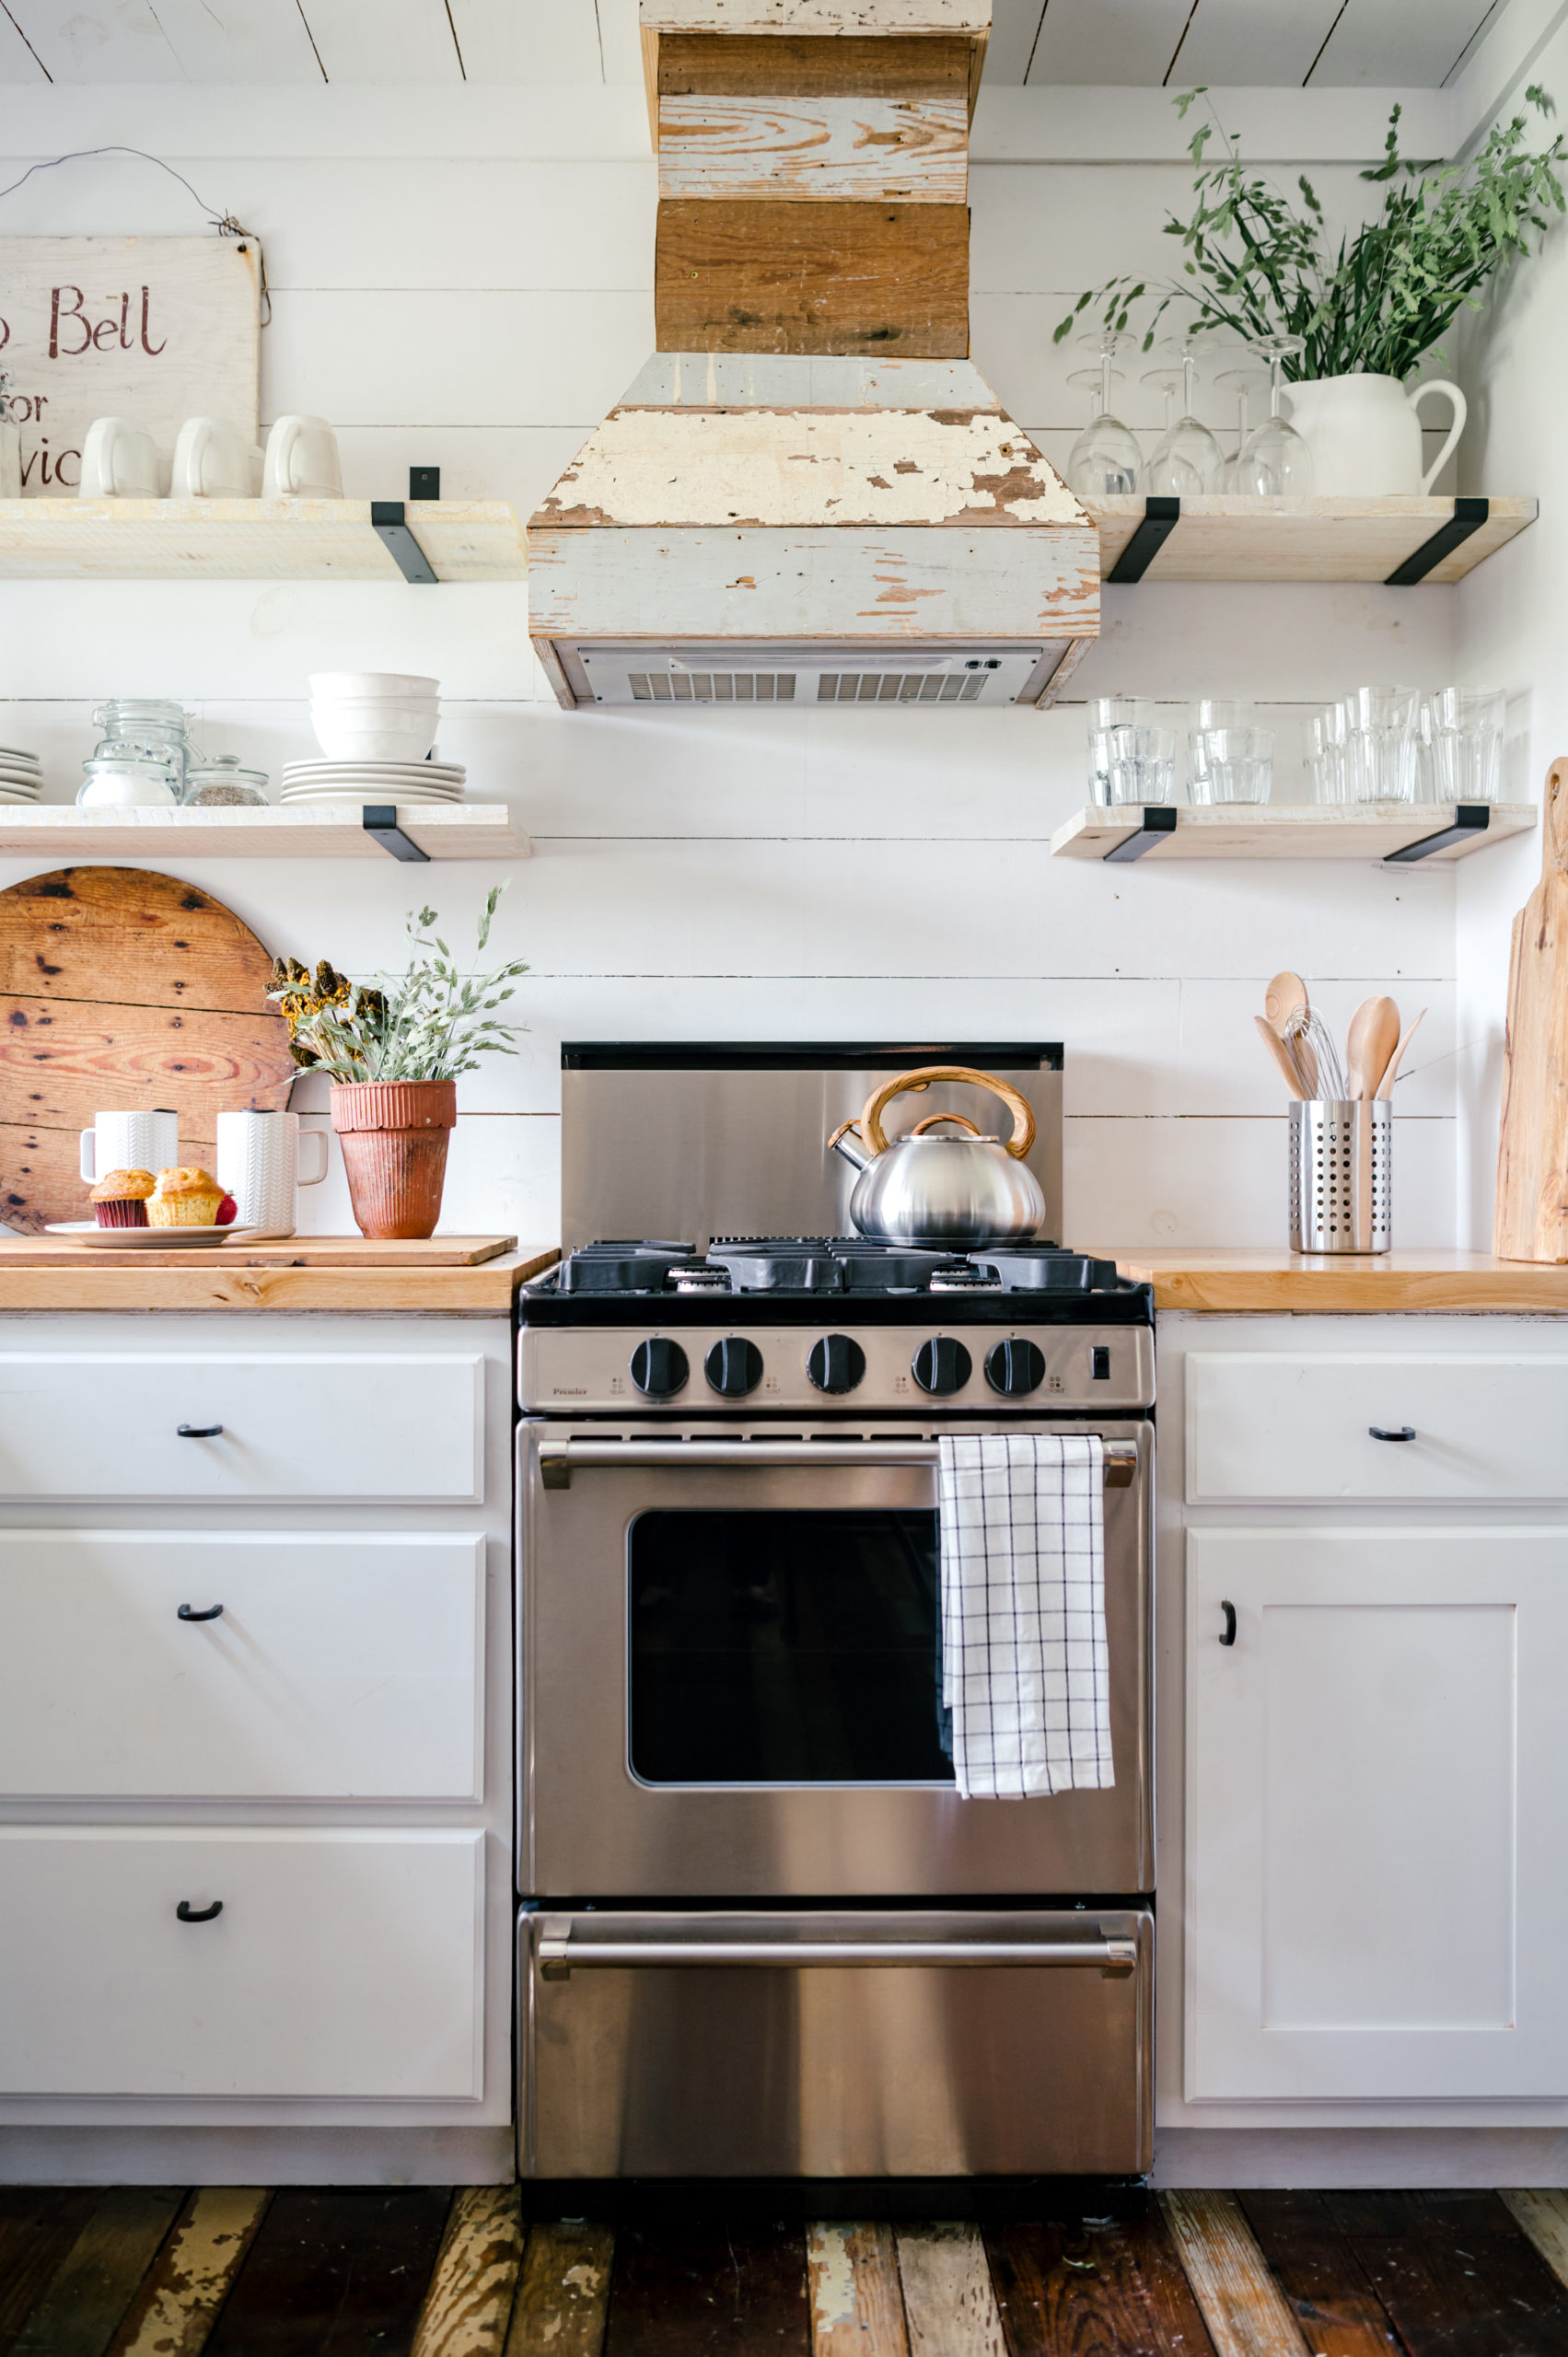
{"x":835,"y":1364}
{"x":1015,"y":1368}
{"x":659,"y":1368}
{"x":942,"y":1366}
{"x":734,"y":1367}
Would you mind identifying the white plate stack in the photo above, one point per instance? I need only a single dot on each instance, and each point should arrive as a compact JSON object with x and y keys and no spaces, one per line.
{"x":22,"y":774}
{"x":367,"y":781}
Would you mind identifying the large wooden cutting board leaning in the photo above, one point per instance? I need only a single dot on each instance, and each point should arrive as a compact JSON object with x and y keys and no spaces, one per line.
{"x":121,"y":988}
{"x":1531,"y":1218}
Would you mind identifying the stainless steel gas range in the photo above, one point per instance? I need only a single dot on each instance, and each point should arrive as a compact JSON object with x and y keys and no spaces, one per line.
{"x":761,"y":1935}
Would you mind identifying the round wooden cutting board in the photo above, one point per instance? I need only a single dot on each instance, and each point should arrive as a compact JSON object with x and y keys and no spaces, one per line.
{"x":119,"y":988}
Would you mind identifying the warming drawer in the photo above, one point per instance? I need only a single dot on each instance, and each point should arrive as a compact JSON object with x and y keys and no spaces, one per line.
{"x":842,"y":2044}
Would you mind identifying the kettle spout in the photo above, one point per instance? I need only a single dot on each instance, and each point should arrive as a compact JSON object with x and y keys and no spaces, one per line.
{"x":845,"y":1139}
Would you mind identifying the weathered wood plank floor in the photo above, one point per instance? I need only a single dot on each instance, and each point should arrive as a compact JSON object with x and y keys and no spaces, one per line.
{"x":162,"y":2271}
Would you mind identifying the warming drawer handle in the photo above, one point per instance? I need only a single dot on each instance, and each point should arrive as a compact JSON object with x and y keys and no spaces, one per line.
{"x":560,"y":1956}
{"x":558,"y":1460}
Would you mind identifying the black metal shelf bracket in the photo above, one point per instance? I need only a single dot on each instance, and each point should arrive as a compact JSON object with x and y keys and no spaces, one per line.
{"x":1154,"y":826}
{"x":1161,"y":515}
{"x":1469,"y":515}
{"x":1470,"y":818}
{"x":389,"y":522}
{"x":380,"y":820}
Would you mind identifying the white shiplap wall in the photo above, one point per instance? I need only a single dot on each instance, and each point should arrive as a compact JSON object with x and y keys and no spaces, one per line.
{"x":464,"y":277}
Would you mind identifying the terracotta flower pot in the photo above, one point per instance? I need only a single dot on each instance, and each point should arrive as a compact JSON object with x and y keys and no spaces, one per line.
{"x":394,"y":1134}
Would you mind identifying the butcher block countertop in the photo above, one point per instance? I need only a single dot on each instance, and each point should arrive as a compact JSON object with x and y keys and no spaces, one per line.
{"x":454,"y":1275}
{"x":1242,"y":1280}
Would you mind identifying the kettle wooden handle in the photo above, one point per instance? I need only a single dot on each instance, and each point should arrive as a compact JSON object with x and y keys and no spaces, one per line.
{"x":875,"y":1136}
{"x":961,"y":1120}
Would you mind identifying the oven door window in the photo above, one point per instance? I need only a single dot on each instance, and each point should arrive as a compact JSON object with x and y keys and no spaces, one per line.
{"x":787,"y":1648}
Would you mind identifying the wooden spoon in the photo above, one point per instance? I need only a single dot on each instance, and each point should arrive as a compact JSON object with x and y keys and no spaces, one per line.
{"x":1386,"y":1086}
{"x":1284,"y":996}
{"x":1372,"y":1038}
{"x":1282,"y":1056}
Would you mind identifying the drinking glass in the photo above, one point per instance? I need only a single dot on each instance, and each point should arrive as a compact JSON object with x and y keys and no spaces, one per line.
{"x":1105,"y":461}
{"x":1274,"y":462}
{"x":1187,"y":458}
{"x":1325,"y":734}
{"x":1230,"y":764}
{"x":1467,"y":728}
{"x":1244,"y":382}
{"x":1380,"y":745}
{"x":1131,"y":758}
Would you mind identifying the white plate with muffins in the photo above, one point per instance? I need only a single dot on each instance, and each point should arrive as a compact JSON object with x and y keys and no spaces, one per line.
{"x":149,"y":1211}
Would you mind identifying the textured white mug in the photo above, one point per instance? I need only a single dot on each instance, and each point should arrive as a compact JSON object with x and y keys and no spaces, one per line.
{"x":119,"y":460}
{"x":257,"y":1163}
{"x":214,"y":459}
{"x":302,"y":461}
{"x":139,"y":1141}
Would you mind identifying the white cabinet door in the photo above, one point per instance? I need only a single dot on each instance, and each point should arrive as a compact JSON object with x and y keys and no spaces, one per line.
{"x":341,"y":1964}
{"x":352,"y":1426}
{"x":334,"y":1669}
{"x":1378,"y":1788}
{"x":1298,"y":1425}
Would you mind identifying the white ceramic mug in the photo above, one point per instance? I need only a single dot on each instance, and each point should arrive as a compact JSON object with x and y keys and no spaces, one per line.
{"x":213,"y":459}
{"x":139,"y":1141}
{"x":257,"y":1163}
{"x":302,"y":461}
{"x":119,"y":460}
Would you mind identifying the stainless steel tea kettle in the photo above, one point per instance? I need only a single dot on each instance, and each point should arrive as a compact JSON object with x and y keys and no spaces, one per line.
{"x":956,"y":1192}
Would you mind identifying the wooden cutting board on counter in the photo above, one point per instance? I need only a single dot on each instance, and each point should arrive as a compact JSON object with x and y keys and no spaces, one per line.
{"x":123,"y":988}
{"x":1530,"y":1221}
{"x":288,"y":1252}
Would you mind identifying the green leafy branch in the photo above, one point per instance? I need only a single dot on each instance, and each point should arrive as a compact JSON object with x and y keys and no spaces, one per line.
{"x":1256,"y":266}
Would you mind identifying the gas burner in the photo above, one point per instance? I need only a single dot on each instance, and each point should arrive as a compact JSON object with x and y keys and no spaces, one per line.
{"x":965,"y":1280}
{"x":699,"y":1279}
{"x":825,"y":1264}
{"x":1044,"y":1268}
{"x":630,"y":1265}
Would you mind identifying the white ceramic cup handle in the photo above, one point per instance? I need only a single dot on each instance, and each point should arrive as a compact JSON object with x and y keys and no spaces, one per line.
{"x":1461,"y":411}
{"x":88,"y":1157}
{"x":314,"y":1137}
{"x":287,"y":435}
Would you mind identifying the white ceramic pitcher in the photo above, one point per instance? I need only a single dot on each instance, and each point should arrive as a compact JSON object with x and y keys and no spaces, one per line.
{"x":1365,"y":434}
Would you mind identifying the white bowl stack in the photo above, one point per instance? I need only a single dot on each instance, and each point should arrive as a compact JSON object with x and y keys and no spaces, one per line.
{"x":22,"y":774}
{"x":377,"y":729}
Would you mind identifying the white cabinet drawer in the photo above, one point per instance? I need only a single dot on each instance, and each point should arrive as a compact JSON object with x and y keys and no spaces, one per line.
{"x":359,"y":1426}
{"x":1270,"y":1425}
{"x":343,"y":1964}
{"x":335,"y":1668}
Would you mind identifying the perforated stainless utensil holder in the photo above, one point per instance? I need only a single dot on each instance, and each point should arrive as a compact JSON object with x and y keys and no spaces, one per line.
{"x":1341,"y":1174}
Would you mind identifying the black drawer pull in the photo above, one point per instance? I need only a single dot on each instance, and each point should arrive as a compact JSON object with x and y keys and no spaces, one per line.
{"x":213,"y":1612}
{"x":1406,"y":1432}
{"x":199,"y":1432}
{"x":1229,"y":1636}
{"x":189,"y":1914}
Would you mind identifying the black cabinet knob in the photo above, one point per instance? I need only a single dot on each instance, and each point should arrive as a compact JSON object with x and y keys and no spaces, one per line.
{"x":835,"y":1364}
{"x":659,"y":1368}
{"x":734,"y":1367}
{"x":942,"y":1366}
{"x":1015,"y":1368}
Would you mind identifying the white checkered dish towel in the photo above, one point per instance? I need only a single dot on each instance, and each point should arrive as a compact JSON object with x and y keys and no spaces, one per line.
{"x":1025,"y":1670}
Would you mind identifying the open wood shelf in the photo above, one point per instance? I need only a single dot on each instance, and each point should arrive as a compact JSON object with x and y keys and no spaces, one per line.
{"x":325,"y":830}
{"x":259,"y":540}
{"x":1397,"y":830}
{"x":1221,"y":536}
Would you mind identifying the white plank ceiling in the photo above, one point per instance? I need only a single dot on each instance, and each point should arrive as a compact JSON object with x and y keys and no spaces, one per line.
{"x":1416,"y":44}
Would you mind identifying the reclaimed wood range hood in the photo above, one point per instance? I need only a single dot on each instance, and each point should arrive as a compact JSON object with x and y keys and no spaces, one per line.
{"x":810,"y":494}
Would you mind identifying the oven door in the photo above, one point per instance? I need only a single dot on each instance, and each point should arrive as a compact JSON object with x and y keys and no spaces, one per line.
{"x":942,"y":2043}
{"x":730,"y":1674}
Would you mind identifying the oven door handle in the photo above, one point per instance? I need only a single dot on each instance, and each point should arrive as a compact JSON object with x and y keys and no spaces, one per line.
{"x":559,"y":1459}
{"x":559,"y":1956}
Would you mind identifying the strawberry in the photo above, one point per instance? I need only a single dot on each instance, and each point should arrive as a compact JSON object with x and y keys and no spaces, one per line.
{"x":228,"y":1212}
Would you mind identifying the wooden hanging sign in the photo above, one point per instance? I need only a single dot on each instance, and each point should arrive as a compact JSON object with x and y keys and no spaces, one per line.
{"x":156,"y":330}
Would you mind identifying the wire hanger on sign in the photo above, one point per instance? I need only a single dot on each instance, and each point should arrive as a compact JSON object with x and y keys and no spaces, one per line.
{"x":223,"y":222}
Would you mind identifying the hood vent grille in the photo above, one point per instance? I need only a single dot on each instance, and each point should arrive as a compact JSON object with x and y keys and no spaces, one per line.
{"x":900,"y":687}
{"x":711,"y":687}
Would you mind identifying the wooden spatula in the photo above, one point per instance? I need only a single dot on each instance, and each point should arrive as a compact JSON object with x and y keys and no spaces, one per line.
{"x":1372,"y":1038}
{"x":1282,"y":1056}
{"x":1391,"y":1073}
